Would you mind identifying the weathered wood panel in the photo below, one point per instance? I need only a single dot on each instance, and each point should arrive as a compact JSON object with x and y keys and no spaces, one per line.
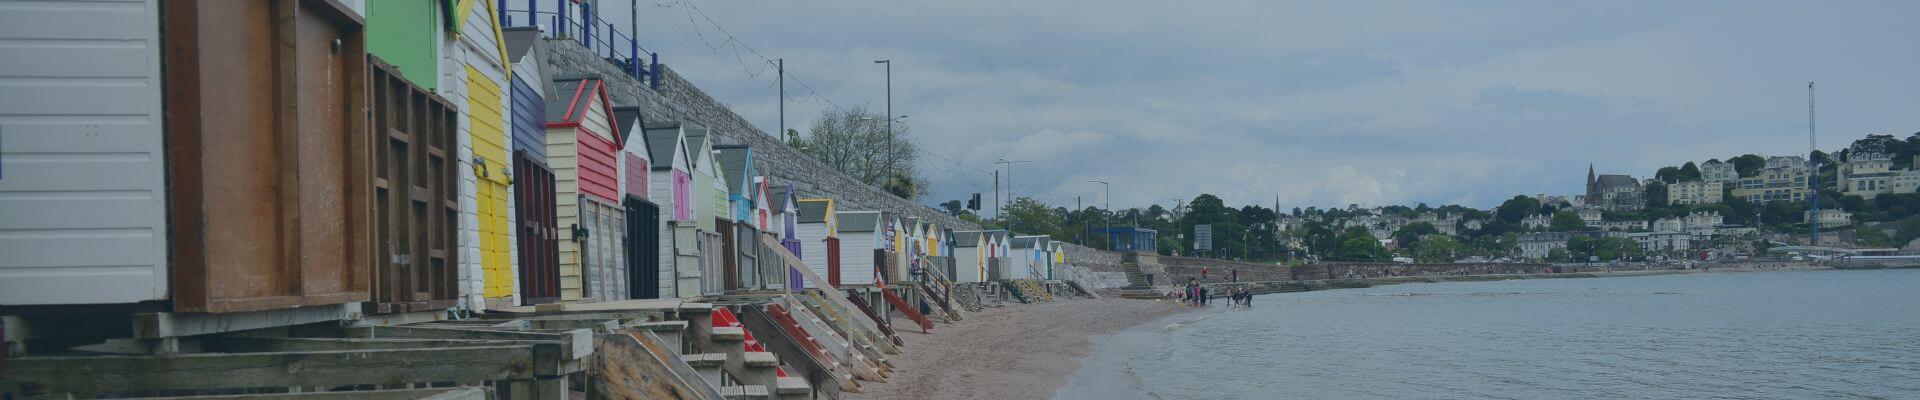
{"x":638,"y":365}
{"x":268,"y":155}
{"x":416,"y":204}
{"x":35,"y":375}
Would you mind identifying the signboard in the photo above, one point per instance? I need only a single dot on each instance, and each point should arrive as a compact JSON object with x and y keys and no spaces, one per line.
{"x":1203,"y":237}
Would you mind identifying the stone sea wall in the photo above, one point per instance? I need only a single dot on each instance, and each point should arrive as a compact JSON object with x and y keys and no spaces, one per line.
{"x":680,"y":100}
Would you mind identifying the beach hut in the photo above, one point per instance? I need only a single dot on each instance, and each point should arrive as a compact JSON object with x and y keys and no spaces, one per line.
{"x":643,"y":219}
{"x":772,"y":274}
{"x":1059,"y":258}
{"x":582,"y":144}
{"x":473,"y":76}
{"x":970,"y":256}
{"x":1021,"y":257}
{"x":670,"y":185}
{"x":901,"y":235}
{"x":786,"y":220}
{"x":817,"y":229}
{"x":863,"y":246}
{"x":710,"y":213}
{"x":998,"y":265}
{"x":739,"y":232}
{"x":535,"y":232}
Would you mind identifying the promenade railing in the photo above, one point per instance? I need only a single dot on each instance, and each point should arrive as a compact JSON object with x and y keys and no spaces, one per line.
{"x":566,"y":19}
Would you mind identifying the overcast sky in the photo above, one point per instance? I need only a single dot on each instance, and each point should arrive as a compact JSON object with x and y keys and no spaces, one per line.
{"x":1320,"y":104}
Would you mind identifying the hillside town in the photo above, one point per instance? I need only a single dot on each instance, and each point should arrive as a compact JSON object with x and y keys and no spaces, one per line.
{"x":1716,"y":209}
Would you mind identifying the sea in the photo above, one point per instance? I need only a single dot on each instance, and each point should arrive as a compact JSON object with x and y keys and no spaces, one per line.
{"x":1745,"y":335}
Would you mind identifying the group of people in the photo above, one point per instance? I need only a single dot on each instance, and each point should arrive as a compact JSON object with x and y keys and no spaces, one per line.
{"x":1197,"y":295}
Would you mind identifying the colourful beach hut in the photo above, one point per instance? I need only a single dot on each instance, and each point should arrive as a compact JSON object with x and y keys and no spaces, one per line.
{"x":863,"y":244}
{"x":535,"y":231}
{"x":582,"y":148}
{"x":818,"y":231}
{"x":643,"y":220}
{"x":671,"y":187}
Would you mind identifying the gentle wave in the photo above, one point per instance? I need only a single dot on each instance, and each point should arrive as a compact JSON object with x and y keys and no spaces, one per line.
{"x":1821,"y":334}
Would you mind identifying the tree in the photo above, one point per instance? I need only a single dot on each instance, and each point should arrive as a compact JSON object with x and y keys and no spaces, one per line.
{"x":1689,"y":172}
{"x":1667,"y":174}
{"x":1873,"y":237}
{"x":1411,"y":234}
{"x":1656,"y":195}
{"x":1362,"y":248}
{"x":855,"y":141}
{"x":1748,"y":165}
{"x":1604,"y":249}
{"x":1567,"y":221}
{"x":904,"y":186}
{"x":1878,"y":144}
{"x":1517,"y":208}
{"x":793,"y":140}
{"x":1437,"y":249}
{"x":953,"y":207}
{"x":1030,"y":217}
{"x":1559,"y":255}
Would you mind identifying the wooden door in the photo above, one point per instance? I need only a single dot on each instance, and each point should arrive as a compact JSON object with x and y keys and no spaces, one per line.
{"x":729,"y":265}
{"x":643,"y":248}
{"x":539,"y":236}
{"x":833,"y":261}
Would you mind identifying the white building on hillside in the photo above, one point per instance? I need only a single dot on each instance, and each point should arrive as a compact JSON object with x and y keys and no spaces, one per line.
{"x":1830,"y":218}
{"x":1694,"y":192}
{"x":1784,"y":179}
{"x":1718,"y":171}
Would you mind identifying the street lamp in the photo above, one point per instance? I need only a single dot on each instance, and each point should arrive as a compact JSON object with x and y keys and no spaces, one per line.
{"x":890,"y":149}
{"x":1104,"y":219}
{"x":1009,"y":165}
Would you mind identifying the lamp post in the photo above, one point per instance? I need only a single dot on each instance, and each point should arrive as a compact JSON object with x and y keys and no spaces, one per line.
{"x":1009,"y":166}
{"x":1104,"y":218}
{"x":890,"y":149}
{"x":888,"y":169}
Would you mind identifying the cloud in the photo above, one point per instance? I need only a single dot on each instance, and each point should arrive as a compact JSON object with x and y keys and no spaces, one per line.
{"x":1319,"y":104}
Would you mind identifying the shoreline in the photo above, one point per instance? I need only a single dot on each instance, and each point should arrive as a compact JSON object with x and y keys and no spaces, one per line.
{"x":1031,"y":350}
{"x":1273,"y":287}
{"x":1017,"y":351}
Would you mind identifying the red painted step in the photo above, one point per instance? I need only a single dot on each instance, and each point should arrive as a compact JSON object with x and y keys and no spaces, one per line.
{"x":724,"y":317}
{"x":913,"y":313}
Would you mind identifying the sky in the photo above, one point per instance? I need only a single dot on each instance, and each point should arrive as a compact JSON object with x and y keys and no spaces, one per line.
{"x":1320,"y":104}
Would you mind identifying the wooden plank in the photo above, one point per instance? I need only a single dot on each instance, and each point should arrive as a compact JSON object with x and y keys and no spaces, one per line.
{"x":275,"y":345}
{"x":873,"y":345}
{"x":841,"y":305}
{"x":637,"y":365}
{"x":854,"y":298}
{"x":807,"y":359}
{"x":41,"y":375}
{"x":838,"y":346}
{"x":458,"y":393}
{"x":926,"y":325}
{"x":574,"y":344}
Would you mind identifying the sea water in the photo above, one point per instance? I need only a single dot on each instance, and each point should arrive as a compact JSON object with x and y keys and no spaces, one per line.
{"x":1756,"y":335}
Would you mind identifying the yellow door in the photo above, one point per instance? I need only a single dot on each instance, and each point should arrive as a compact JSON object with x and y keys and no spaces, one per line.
{"x":490,"y":152}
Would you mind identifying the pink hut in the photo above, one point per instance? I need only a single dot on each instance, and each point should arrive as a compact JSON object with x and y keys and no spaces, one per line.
{"x":583,"y":147}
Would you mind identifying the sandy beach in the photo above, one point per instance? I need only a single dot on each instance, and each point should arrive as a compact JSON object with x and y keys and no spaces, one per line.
{"x":1020,"y":351}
